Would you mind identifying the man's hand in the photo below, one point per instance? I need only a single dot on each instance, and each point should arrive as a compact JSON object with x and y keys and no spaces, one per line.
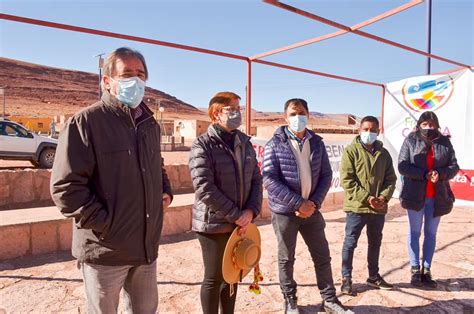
{"x":376,"y":203}
{"x":244,"y":220}
{"x":306,"y":209}
{"x":382,"y":199}
{"x":166,"y":200}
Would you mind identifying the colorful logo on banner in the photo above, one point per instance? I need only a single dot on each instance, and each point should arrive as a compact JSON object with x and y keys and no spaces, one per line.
{"x":428,"y":95}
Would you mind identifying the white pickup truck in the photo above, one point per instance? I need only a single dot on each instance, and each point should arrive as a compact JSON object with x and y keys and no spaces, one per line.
{"x":18,"y":143}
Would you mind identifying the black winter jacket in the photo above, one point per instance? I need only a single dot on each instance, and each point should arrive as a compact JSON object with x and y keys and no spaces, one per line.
{"x":412,"y":166}
{"x":108,"y":175}
{"x":220,"y":195}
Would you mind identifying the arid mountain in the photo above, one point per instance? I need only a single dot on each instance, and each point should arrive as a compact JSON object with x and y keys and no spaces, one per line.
{"x":37,"y":90}
{"x":42,"y":91}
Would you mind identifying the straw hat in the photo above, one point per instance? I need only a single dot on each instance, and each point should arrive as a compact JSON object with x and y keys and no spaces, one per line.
{"x":241,"y":254}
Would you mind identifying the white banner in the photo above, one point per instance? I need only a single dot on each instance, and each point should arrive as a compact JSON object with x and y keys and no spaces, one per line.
{"x":450,"y":97}
{"x":333,"y":148}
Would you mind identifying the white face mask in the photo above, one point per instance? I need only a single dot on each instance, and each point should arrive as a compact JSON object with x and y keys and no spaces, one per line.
{"x":130,"y":91}
{"x":368,"y":138}
{"x":298,"y":123}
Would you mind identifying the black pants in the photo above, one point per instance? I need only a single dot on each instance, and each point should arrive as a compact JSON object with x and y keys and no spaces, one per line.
{"x":214,"y":290}
{"x":354,"y":225}
{"x":312,"y":230}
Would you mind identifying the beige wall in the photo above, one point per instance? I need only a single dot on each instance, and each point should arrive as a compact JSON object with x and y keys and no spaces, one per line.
{"x":266,"y":131}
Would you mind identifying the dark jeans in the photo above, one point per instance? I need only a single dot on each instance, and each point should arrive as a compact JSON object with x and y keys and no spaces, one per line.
{"x":214,"y":290}
{"x":354,"y":225}
{"x":312,"y":230}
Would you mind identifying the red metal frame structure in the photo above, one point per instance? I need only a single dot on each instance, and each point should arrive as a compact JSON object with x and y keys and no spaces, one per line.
{"x":355,"y":30}
{"x":257,"y":58}
{"x":341,"y":32}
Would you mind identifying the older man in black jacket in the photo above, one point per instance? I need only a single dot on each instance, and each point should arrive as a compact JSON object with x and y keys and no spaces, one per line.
{"x":109,"y":177}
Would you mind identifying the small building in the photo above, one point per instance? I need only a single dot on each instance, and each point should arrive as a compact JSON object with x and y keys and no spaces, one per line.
{"x":35,"y":124}
{"x":190,"y":129}
{"x":61,"y":121}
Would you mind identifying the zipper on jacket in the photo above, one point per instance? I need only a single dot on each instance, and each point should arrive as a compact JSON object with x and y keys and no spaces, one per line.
{"x":297,"y":168}
{"x":235,"y":166}
{"x":132,"y":120}
{"x":240,"y":176}
{"x":141,"y":169}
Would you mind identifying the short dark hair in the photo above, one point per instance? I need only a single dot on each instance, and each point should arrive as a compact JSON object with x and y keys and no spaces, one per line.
{"x":297,"y":101}
{"x":370,"y":119}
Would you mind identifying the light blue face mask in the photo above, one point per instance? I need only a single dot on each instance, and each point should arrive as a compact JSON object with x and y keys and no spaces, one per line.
{"x":298,"y":123}
{"x":131,"y":91}
{"x":368,"y":138}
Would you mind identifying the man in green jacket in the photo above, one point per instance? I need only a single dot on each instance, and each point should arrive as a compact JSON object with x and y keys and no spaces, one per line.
{"x":368,"y":179}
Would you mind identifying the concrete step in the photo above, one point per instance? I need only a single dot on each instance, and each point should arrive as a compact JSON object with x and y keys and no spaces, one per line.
{"x":40,"y":230}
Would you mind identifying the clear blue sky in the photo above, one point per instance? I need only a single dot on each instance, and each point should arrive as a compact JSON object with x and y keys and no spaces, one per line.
{"x":246,"y":27}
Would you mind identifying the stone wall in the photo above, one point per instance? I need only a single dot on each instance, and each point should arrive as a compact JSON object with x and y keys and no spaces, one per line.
{"x":30,"y":187}
{"x":26,"y":232}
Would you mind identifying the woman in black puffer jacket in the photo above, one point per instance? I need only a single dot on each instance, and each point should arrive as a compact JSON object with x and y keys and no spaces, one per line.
{"x":427,"y":162}
{"x":228,"y":188}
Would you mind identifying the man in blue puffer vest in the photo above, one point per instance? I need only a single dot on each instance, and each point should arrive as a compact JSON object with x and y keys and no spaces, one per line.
{"x":297,"y":176}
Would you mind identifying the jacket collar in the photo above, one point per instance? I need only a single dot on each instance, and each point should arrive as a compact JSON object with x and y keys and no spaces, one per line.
{"x":377,"y":144}
{"x":240,"y":137}
{"x":440,"y":139}
{"x":110,"y":101}
{"x":281,"y":134}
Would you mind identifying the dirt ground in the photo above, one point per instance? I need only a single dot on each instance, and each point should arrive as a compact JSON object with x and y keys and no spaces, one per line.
{"x":52,"y":283}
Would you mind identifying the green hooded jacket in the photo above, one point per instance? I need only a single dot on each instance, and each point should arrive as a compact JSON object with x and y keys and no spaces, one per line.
{"x":364,"y":175}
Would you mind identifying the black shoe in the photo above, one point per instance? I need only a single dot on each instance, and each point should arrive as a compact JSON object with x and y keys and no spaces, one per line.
{"x":291,"y":304}
{"x":416,"y":276}
{"x":335,"y":307}
{"x":346,"y":287}
{"x":427,"y":280}
{"x":379,"y":283}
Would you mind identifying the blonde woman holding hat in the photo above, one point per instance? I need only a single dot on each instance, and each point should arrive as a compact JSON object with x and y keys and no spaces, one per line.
{"x":228,"y":189}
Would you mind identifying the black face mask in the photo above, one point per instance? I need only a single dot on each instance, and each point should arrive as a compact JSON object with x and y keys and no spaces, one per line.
{"x":429,"y":133}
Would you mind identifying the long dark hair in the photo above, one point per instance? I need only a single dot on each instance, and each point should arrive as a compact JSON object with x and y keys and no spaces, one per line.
{"x":427,"y":116}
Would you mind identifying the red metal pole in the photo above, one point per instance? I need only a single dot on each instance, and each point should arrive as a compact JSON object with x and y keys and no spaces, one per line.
{"x":117,"y":35}
{"x":359,"y":32}
{"x":248,"y":110}
{"x":338,"y":77}
{"x":382,"y":125}
{"x":340,"y":32}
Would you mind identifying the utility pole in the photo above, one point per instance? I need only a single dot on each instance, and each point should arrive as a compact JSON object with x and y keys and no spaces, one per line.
{"x":162,"y":109}
{"x":2,"y":92}
{"x":100,"y":65}
{"x":428,"y":36}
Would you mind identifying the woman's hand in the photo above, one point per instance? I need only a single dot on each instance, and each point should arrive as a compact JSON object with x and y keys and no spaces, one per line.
{"x":434,"y":176}
{"x":244,"y":220}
